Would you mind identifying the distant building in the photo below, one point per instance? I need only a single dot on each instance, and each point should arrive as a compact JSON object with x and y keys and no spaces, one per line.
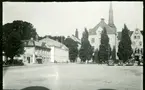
{"x":44,"y":51}
{"x":59,"y":52}
{"x":35,"y":52}
{"x":137,"y":43}
{"x":95,"y":33}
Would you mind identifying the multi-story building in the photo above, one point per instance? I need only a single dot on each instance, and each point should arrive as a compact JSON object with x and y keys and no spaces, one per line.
{"x":59,"y":52}
{"x":137,"y":43}
{"x":44,"y":51}
{"x":95,"y":33}
{"x":35,"y":52}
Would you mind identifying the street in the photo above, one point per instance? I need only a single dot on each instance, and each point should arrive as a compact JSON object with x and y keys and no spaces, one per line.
{"x":74,"y":77}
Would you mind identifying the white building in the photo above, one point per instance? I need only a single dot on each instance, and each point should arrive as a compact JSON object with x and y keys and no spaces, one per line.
{"x":59,"y":52}
{"x":95,"y":33}
{"x":137,"y":43}
{"x":35,"y":52}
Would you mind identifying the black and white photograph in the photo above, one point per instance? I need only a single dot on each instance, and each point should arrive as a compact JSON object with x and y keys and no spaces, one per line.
{"x":96,"y":45}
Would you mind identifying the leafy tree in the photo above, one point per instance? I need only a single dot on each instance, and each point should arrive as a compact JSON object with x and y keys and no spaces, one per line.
{"x":13,"y":46}
{"x":105,"y":49}
{"x":13,"y":34}
{"x":73,"y":51}
{"x":86,"y":50}
{"x":124,"y":49}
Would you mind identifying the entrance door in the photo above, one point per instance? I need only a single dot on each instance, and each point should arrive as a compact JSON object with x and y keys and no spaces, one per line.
{"x":28,"y":58}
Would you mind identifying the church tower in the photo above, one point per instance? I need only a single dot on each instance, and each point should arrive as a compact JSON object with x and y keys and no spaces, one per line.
{"x":111,"y":21}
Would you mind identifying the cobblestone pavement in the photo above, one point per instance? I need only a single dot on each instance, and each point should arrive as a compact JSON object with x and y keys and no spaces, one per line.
{"x":74,"y":77}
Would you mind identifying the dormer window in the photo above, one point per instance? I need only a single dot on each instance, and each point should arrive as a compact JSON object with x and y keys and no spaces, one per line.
{"x":134,"y":37}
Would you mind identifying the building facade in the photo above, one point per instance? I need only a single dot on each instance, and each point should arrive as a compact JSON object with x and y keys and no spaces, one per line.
{"x":35,"y":52}
{"x":137,"y":43}
{"x":59,"y":52}
{"x":95,"y":33}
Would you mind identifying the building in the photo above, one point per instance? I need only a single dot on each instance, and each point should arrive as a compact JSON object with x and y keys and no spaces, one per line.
{"x":35,"y":52}
{"x":95,"y":33}
{"x":44,"y":51}
{"x":59,"y":52}
{"x":137,"y":43}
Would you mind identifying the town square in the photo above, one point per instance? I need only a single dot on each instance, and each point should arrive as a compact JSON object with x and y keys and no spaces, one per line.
{"x":72,"y":45}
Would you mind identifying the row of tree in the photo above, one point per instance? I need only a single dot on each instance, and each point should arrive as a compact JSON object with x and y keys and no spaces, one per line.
{"x":87,"y":52}
{"x":13,"y":34}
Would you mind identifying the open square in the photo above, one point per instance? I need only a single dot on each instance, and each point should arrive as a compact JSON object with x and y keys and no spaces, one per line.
{"x":74,"y":77}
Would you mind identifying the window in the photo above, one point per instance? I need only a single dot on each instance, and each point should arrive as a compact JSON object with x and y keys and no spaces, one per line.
{"x":138,"y":37}
{"x":28,"y":58}
{"x":140,"y":43}
{"x":93,"y":40}
{"x":134,"y":37}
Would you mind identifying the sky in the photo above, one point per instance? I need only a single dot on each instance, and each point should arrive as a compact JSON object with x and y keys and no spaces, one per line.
{"x":63,"y":18}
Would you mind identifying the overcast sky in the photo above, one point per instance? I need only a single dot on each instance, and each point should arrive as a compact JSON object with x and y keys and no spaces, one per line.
{"x":62,"y":18}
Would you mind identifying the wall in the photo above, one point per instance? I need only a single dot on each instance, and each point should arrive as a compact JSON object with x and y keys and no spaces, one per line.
{"x":58,"y":54}
{"x":29,"y":51}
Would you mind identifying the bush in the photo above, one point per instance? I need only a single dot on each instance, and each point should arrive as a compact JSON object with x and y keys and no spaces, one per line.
{"x":15,"y":62}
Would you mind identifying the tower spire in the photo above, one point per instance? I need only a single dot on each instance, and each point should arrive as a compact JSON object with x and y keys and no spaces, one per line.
{"x":111,"y":22}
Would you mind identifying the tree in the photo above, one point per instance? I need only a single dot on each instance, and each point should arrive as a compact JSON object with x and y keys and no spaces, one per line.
{"x":13,"y":46}
{"x":105,"y":49}
{"x":73,"y":50}
{"x":13,"y":34}
{"x":76,"y":33}
{"x":114,"y":53}
{"x":96,"y":57}
{"x":124,"y":49}
{"x":86,"y":50}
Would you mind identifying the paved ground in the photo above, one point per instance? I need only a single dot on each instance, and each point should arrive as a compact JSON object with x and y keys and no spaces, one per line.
{"x":74,"y":77}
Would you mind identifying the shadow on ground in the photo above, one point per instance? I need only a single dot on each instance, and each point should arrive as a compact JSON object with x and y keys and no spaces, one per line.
{"x":106,"y":89}
{"x":35,"y":88}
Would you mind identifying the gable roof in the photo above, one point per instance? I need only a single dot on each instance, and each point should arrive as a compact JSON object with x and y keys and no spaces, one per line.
{"x":33,"y":43}
{"x":102,"y":24}
{"x":50,"y":42}
{"x":120,"y":34}
{"x":75,"y":39}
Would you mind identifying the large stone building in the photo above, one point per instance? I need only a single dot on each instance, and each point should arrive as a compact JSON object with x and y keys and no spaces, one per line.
{"x":95,"y":33}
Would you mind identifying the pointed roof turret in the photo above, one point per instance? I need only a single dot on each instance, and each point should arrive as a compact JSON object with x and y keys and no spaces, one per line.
{"x":111,"y":21}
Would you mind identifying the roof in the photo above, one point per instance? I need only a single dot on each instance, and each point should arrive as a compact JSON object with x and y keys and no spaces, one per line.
{"x":50,"y":42}
{"x":75,"y":39}
{"x":34,"y":43}
{"x":120,"y":34}
{"x":102,"y":24}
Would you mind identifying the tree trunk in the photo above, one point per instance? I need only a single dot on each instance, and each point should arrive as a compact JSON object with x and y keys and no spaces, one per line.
{"x":12,"y":60}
